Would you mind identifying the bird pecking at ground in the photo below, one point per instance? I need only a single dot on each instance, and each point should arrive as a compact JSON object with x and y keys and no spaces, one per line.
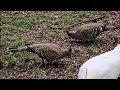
{"x":46,"y":51}
{"x":88,"y":32}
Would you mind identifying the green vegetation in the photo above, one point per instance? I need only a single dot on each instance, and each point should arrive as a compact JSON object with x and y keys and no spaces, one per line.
{"x":16,"y":23}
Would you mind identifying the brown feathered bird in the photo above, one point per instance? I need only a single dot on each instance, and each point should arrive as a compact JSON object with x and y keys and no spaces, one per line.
{"x":88,"y":32}
{"x":48,"y":51}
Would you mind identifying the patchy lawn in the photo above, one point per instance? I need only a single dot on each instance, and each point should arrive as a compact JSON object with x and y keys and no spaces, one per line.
{"x":20,"y":28}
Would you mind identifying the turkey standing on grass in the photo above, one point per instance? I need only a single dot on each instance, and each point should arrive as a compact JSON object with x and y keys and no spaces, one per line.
{"x":89,"y":32}
{"x":48,"y":51}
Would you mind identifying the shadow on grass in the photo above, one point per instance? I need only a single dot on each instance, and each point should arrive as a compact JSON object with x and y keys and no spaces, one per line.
{"x":49,"y":65}
{"x":87,"y":43}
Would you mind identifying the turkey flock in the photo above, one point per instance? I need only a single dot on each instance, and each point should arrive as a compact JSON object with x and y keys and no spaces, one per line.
{"x":104,"y":66}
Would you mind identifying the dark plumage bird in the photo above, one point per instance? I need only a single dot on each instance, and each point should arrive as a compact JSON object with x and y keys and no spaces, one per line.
{"x":48,"y":51}
{"x":88,"y":32}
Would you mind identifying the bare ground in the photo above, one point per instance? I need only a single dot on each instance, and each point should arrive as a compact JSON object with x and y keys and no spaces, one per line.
{"x":69,"y":68}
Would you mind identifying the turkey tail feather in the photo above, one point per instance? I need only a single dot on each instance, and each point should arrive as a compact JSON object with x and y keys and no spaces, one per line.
{"x":17,"y":49}
{"x":13,"y":49}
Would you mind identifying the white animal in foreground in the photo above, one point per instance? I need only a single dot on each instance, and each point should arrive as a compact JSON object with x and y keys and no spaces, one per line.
{"x":104,"y":66}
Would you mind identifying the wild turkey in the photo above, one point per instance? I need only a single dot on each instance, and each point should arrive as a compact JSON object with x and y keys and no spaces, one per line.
{"x":48,"y":51}
{"x":104,"y":66}
{"x":88,"y":32}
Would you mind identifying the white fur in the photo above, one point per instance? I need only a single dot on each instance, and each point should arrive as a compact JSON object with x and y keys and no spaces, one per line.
{"x":104,"y":66}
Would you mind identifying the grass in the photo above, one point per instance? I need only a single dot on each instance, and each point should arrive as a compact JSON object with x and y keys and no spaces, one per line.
{"x":24,"y":67}
{"x":15,"y":23}
{"x":61,"y":20}
{"x":1,"y":62}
